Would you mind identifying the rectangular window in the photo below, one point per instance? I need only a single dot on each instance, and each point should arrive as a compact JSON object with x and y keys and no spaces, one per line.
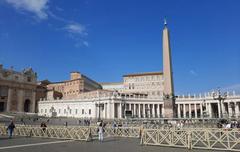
{"x":70,"y":111}
{"x":59,"y":111}
{"x":29,"y":79}
{"x":45,"y":110}
{"x":76,"y":111}
{"x":41,"y":110}
{"x":65,"y":111}
{"x":82,"y":111}
{"x":89,"y":111}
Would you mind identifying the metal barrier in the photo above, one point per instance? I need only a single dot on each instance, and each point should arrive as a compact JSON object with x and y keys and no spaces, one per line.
{"x":213,"y":139}
{"x":133,"y":132}
{"x":76,"y":133}
{"x":201,"y":138}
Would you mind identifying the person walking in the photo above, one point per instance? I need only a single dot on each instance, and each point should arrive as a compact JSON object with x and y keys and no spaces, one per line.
{"x":100,"y":132}
{"x":43,"y":126}
{"x":10,"y":129}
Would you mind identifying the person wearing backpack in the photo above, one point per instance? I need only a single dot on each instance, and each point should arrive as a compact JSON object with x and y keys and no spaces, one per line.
{"x":10,"y":129}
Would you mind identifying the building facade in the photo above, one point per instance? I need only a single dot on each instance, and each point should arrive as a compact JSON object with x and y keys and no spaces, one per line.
{"x":17,"y":90}
{"x":71,"y":89}
{"x":113,"y":105}
{"x":149,"y":83}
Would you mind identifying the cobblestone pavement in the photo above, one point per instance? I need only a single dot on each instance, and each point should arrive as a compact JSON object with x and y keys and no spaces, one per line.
{"x":23,"y":144}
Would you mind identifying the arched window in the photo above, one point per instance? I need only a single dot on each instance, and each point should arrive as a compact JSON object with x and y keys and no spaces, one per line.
{"x":27,"y":105}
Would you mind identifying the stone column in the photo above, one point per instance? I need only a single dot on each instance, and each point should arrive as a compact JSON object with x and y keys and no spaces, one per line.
{"x":230,"y":110}
{"x":190,"y":110}
{"x":113,"y":109}
{"x":184,"y":111}
{"x":9,"y":100}
{"x":163,"y":111}
{"x":96,"y":111}
{"x":210,"y":110}
{"x":201,"y":110}
{"x":236,"y":109}
{"x":120,"y":110}
{"x":144,"y":112}
{"x":109,"y":108}
{"x":179,"y":110}
{"x":157,"y":110}
{"x":20,"y":100}
{"x":33,"y":101}
{"x":195,"y":110}
{"x":134,"y":110}
{"x":130,"y":106}
{"x":148,"y":110}
{"x":153,"y":111}
{"x":219,"y":112}
{"x":139,"y":110}
{"x":223,"y":108}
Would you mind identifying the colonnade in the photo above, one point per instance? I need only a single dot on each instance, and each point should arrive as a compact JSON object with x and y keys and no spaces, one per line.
{"x":211,"y":109}
{"x":184,"y":110}
{"x":140,"y":110}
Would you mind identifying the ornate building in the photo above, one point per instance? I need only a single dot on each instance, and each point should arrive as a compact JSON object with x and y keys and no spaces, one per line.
{"x":17,"y":90}
{"x":113,"y":105}
{"x":145,"y":95}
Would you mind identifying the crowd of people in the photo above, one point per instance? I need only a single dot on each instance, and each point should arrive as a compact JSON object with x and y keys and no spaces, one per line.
{"x":228,"y":124}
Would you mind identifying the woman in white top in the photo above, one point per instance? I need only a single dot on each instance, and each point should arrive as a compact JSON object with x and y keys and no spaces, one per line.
{"x":100,"y":132}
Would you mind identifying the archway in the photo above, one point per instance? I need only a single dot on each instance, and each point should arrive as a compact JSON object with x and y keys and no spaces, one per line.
{"x":27,"y":105}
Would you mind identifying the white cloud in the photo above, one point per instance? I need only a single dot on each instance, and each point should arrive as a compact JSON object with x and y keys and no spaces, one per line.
{"x":85,"y":43}
{"x":194,"y":73}
{"x":76,"y":28}
{"x":77,"y":32}
{"x":38,"y":7}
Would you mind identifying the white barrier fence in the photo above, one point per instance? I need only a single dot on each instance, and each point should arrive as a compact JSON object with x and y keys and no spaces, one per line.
{"x":212,"y":139}
{"x":76,"y":133}
{"x":201,"y":138}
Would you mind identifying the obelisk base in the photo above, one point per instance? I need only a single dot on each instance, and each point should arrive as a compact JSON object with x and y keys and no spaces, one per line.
{"x":169,"y":108}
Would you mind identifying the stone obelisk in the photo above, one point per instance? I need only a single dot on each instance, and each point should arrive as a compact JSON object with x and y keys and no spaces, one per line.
{"x":168,"y":91}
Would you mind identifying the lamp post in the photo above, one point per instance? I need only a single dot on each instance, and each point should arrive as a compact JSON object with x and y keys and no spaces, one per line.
{"x":220,"y":97}
{"x":232,"y":106}
{"x":52,"y":110}
{"x":204,"y":108}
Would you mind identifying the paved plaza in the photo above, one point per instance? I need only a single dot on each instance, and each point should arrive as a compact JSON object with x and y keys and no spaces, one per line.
{"x":23,"y":144}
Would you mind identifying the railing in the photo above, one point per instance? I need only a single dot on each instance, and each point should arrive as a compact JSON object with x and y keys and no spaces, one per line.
{"x":201,"y":138}
{"x":86,"y":133}
{"x":75,"y":133}
{"x":212,"y":139}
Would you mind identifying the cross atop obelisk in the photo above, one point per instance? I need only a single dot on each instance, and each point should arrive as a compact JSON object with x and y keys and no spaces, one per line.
{"x":168,"y":91}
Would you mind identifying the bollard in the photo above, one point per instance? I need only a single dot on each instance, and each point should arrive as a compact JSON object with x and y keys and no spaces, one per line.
{"x":189,"y":137}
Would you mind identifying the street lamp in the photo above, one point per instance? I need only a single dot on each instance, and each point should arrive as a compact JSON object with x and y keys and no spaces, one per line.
{"x":204,"y":108}
{"x":220,"y":97}
{"x":52,"y":110}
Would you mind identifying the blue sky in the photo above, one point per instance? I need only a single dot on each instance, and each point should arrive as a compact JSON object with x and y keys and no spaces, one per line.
{"x":107,"y":39}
